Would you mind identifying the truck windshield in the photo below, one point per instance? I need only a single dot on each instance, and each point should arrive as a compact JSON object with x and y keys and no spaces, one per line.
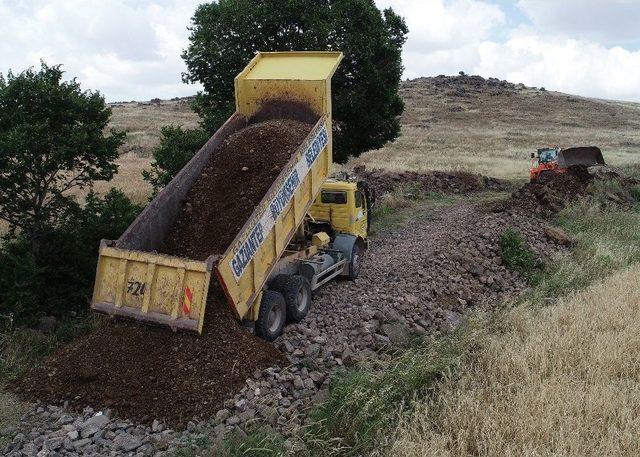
{"x":547,"y":155}
{"x":339,"y":198}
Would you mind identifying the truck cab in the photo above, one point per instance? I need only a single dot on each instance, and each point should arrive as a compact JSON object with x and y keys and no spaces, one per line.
{"x":345,"y":206}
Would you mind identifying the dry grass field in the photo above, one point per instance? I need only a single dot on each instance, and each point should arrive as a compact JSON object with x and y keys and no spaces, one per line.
{"x":493,"y":131}
{"x":561,"y":380}
{"x":143,"y":120}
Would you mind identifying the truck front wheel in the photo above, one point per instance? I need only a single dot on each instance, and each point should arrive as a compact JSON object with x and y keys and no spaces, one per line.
{"x":296,"y":291}
{"x":272,"y":315}
{"x":356,"y":261}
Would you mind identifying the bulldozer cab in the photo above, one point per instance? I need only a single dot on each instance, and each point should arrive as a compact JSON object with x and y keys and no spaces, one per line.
{"x":546,"y":155}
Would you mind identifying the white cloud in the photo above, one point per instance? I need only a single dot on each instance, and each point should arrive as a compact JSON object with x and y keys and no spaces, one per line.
{"x":567,"y":65}
{"x":565,"y":48}
{"x":443,"y":35}
{"x":130,"y":49}
{"x":127,"y":50}
{"x":608,"y":22}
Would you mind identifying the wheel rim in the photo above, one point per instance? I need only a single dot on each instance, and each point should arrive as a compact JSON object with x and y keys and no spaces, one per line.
{"x":302,"y":299}
{"x":275,"y":317}
{"x":356,"y":261}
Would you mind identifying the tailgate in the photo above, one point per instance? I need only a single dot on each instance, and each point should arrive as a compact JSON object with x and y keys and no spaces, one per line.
{"x":152,"y":287}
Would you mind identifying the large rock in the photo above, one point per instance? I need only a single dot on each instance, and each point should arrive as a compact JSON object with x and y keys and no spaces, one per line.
{"x":397,"y":334}
{"x":127,"y":442}
{"x":558,"y":235}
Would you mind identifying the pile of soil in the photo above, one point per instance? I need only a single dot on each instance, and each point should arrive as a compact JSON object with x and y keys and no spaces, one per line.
{"x":459,"y":182}
{"x":550,"y":195}
{"x":234,"y":181}
{"x":145,"y":373}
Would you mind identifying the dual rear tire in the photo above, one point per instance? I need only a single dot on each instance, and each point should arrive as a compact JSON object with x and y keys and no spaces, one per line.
{"x":287,"y":300}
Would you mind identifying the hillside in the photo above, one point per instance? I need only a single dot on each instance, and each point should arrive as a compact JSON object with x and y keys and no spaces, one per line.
{"x":492,"y":126}
{"x":450,"y":122}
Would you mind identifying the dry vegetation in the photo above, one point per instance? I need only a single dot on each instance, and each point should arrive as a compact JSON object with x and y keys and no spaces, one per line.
{"x":143,"y":120}
{"x":562,"y":380}
{"x":494,"y":133}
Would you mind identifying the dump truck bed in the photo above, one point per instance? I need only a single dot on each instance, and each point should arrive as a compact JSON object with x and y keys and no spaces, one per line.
{"x":133,"y":280}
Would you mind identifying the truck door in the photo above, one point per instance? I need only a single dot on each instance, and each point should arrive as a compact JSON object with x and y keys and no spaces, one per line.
{"x":361,"y":225}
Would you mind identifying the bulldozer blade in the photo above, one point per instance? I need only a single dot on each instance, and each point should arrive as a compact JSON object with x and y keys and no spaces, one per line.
{"x":587,"y":156}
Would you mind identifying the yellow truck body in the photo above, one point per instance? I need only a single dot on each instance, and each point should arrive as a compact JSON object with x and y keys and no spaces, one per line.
{"x":133,"y":280}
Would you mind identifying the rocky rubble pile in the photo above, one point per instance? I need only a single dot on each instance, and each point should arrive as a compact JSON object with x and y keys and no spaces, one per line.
{"x":463,"y":85}
{"x":51,"y":431}
{"x":550,"y":195}
{"x":459,"y":182}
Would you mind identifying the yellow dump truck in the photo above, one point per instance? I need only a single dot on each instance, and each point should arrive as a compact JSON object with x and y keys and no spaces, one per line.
{"x":306,"y":230}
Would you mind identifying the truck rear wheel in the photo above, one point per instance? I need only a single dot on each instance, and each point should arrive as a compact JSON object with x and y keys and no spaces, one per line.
{"x":296,"y":291}
{"x":272,"y":315}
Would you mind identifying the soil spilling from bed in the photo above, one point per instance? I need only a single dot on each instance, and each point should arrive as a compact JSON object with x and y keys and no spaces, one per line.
{"x":145,"y":373}
{"x":231,"y":185}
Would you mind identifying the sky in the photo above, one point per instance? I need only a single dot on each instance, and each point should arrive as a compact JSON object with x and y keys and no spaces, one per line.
{"x":130,"y":49}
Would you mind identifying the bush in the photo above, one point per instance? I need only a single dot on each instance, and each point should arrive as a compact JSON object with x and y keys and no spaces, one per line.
{"x":58,"y":279}
{"x":515,"y":253}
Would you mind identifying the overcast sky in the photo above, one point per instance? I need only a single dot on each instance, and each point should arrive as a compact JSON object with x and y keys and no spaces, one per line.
{"x":130,"y":49}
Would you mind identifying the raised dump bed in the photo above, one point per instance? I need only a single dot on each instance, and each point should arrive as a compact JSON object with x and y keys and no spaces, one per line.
{"x":136,"y":280}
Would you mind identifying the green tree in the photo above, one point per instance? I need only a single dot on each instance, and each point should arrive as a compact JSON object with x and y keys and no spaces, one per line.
{"x":60,"y":278}
{"x":226,"y":34}
{"x":52,"y":142}
{"x":176,"y":147}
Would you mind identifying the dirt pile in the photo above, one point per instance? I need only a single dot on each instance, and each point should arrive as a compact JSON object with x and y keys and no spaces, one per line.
{"x":145,"y":373}
{"x":234,"y":181}
{"x":579,"y":182}
{"x":459,"y":182}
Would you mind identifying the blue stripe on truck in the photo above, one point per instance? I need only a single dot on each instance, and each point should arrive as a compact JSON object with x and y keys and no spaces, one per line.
{"x":259,"y":232}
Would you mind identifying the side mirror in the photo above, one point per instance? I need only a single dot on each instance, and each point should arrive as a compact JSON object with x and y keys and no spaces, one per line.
{"x":533,"y":155}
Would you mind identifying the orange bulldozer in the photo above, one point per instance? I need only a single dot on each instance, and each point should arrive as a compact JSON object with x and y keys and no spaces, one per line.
{"x":550,"y":160}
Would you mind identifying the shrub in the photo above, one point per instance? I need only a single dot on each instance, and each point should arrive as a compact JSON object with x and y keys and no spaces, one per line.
{"x":58,"y":279}
{"x":515,"y":253}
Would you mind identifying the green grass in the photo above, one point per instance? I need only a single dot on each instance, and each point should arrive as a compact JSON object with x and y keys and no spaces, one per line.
{"x":365,"y":403}
{"x":515,"y":253}
{"x":606,"y":241}
{"x":260,"y":441}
